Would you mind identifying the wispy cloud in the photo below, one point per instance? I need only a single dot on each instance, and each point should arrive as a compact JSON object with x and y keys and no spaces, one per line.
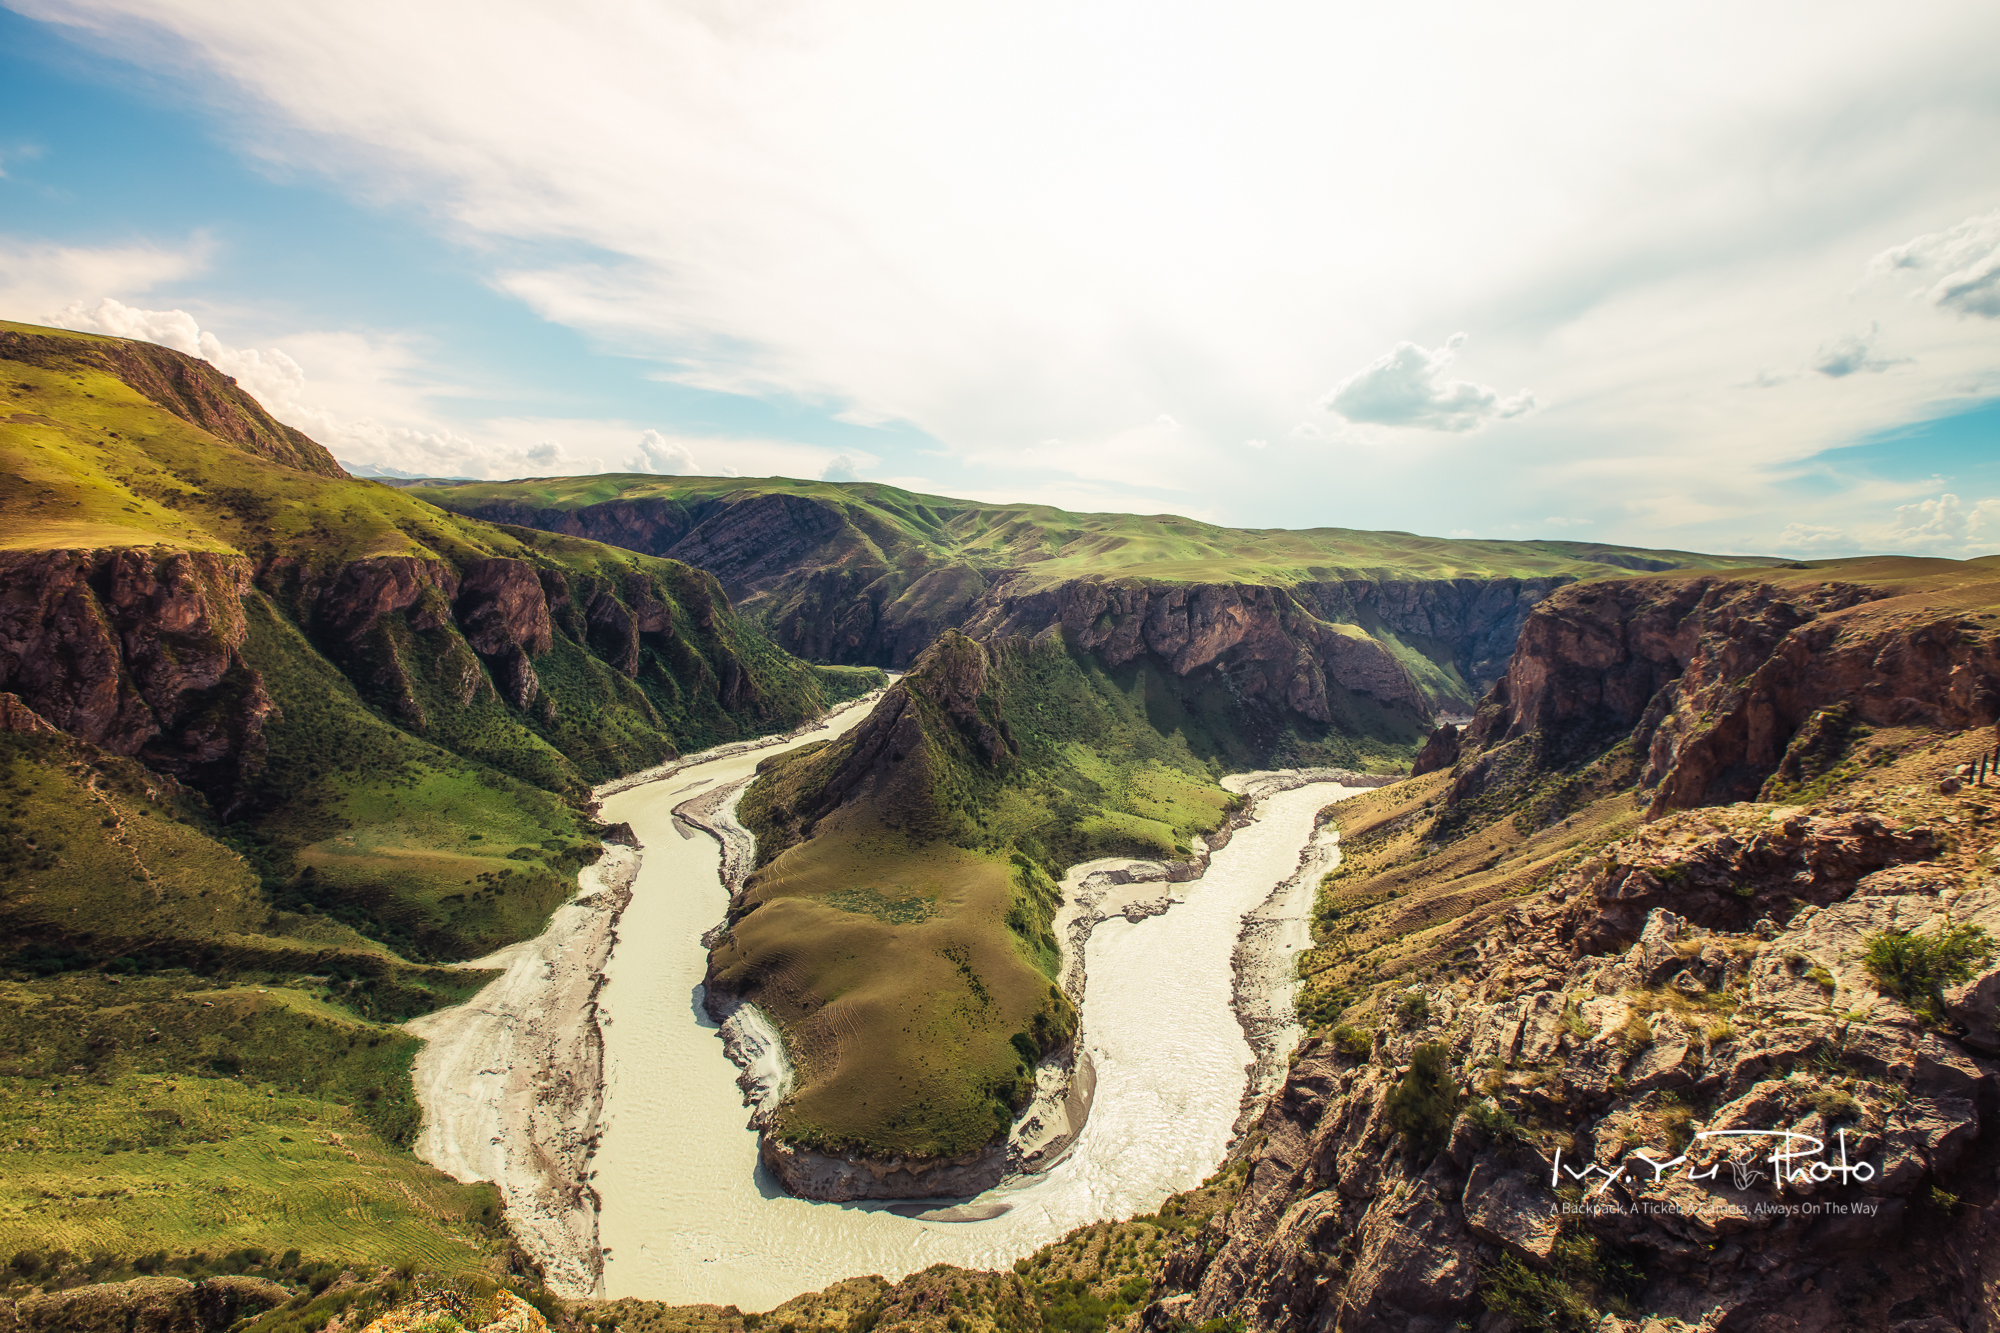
{"x":38,"y":277}
{"x":1852,"y":354}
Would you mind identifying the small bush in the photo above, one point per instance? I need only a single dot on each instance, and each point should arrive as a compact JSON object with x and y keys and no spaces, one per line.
{"x":1496,"y":1123}
{"x":1573,"y":1019}
{"x":1582,"y":1282}
{"x":1354,"y":1042}
{"x":1424,"y":1104}
{"x":1916,"y":968}
{"x":1834,"y":1104}
{"x":1413,"y":1008}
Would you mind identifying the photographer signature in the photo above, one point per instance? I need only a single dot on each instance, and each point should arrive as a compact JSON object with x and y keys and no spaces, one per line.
{"x":1796,"y":1159}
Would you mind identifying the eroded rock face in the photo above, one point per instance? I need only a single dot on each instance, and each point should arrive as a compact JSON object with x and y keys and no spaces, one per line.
{"x":838,"y":1179}
{"x":1439,"y":753}
{"x":1713,"y":679}
{"x":1341,"y":1228}
{"x":504,"y":614}
{"x":830,"y":589}
{"x":137,"y":652}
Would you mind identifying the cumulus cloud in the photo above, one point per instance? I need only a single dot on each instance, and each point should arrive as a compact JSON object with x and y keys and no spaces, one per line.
{"x":1967,"y":258}
{"x":1853,"y":353}
{"x":1948,"y":526}
{"x":1408,"y":386}
{"x":278,"y":381}
{"x":1256,"y":444}
{"x":841,"y":468}
{"x":658,"y":454}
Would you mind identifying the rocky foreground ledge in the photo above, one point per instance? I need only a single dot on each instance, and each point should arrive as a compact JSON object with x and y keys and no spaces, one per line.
{"x":1682,"y":995}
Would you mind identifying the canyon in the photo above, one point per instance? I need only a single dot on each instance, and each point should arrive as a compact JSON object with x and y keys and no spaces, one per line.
{"x":1712,"y":858}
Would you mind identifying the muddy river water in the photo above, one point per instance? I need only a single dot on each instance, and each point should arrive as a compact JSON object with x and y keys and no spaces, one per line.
{"x":688,"y":1214}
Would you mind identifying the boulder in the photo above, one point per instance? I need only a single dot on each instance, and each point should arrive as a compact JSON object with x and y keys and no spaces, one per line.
{"x":1511,"y":1209}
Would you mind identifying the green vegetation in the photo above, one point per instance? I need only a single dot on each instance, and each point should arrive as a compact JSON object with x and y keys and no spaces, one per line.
{"x":1583,"y":1282}
{"x":1424,"y":1103}
{"x":201,"y":949}
{"x":1916,"y":968}
{"x":908,"y":879}
{"x":1055,"y":545}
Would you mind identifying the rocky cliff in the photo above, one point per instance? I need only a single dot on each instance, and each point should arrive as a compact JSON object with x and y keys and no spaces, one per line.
{"x":868,"y":574}
{"x":1709,"y":681}
{"x":1664,"y":1053}
{"x":188,"y":584}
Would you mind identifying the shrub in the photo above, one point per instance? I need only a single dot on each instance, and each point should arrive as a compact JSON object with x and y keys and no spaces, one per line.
{"x":1916,"y":968}
{"x":1423,"y":1105}
{"x":1582,"y":1281}
{"x":1354,"y":1042}
{"x":1496,"y":1123}
{"x":1573,"y":1020}
{"x":1413,"y":1008}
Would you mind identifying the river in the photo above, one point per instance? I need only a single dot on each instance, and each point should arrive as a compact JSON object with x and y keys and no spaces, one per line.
{"x":688,"y":1215}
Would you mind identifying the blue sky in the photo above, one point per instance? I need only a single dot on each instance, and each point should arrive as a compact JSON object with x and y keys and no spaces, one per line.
{"x":1555,"y":272}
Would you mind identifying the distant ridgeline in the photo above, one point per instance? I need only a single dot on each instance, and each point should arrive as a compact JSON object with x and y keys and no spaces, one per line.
{"x":1325,"y":644}
{"x":272,"y":741}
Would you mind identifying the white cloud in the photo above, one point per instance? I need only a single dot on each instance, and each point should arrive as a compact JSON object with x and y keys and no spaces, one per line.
{"x":1006,"y":222}
{"x":840,"y":468}
{"x":1812,"y":537}
{"x":36,"y":278}
{"x":1407,"y":386}
{"x":1969,"y":254}
{"x":1256,"y":444}
{"x":1947,"y":526}
{"x":659,"y":454}
{"x":1569,"y":522}
{"x":1852,"y":353}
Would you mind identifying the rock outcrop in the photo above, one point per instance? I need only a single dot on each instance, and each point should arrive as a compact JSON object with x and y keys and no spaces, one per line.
{"x":1711,"y":679}
{"x":1627,"y":1055}
{"x":146,"y":1305}
{"x":1342,"y":1226}
{"x":139,"y":652}
{"x":844,"y":1178}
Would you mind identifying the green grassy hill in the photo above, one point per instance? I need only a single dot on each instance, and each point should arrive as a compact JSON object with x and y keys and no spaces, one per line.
{"x":1047,"y":543}
{"x":273,"y":742}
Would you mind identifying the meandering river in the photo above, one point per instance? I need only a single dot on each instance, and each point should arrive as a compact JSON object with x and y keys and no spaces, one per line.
{"x":688,"y":1214}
